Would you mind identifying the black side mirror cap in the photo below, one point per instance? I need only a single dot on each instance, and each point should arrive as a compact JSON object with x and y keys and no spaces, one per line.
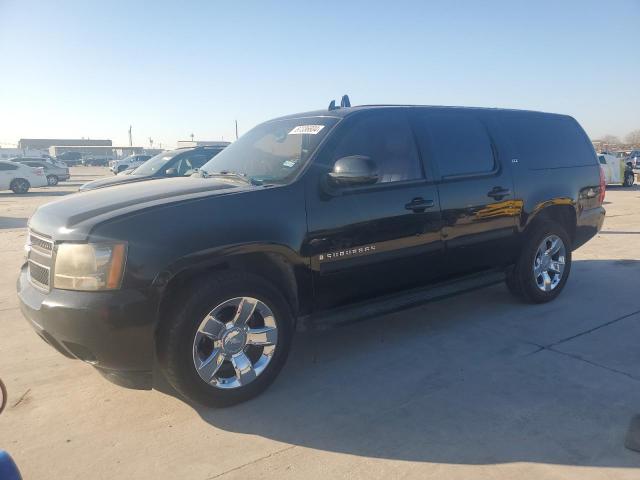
{"x":354,"y":170}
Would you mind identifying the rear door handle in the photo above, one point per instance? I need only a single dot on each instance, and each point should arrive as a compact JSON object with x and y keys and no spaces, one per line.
{"x":419,"y":204}
{"x":499,"y":193}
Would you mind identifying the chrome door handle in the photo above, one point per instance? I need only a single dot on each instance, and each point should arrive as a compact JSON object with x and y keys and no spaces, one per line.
{"x":419,"y":204}
{"x":499,"y":193}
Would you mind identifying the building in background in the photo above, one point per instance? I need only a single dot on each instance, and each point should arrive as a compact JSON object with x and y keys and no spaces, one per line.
{"x":46,"y":143}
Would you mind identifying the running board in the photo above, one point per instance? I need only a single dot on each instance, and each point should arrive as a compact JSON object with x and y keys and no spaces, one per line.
{"x":398,"y":301}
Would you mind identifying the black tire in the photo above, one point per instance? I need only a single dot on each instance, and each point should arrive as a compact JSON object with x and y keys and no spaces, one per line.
{"x":521,"y":280}
{"x":20,"y":186}
{"x":177,"y":333}
{"x":52,"y":180}
{"x":629,"y":179}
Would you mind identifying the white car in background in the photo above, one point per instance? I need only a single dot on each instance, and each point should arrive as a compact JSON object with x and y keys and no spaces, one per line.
{"x":132,"y":161}
{"x":616,"y":169}
{"x":20,"y":178}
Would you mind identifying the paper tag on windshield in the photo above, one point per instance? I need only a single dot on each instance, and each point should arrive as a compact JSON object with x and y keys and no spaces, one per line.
{"x":306,"y":130}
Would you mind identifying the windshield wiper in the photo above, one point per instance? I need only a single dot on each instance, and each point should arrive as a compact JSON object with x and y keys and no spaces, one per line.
{"x":229,"y":173}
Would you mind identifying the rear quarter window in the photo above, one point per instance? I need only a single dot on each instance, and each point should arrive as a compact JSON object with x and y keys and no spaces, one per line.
{"x":548,"y":141}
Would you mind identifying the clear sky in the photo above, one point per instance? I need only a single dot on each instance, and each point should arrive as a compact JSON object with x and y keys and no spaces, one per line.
{"x":91,"y":69}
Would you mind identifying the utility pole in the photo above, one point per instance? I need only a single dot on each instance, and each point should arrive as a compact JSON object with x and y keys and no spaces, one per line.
{"x":130,"y":138}
{"x":236,"y":129}
{"x":150,"y":142}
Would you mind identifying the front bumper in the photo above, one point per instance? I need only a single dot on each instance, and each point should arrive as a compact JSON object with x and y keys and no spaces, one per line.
{"x":113,"y":331}
{"x":589,"y":223}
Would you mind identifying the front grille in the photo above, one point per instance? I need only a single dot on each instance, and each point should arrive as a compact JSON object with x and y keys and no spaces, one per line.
{"x":39,"y":275}
{"x":41,"y":244}
{"x":40,"y":259}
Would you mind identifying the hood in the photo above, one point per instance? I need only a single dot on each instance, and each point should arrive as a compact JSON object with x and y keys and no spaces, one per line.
{"x":116,"y":180}
{"x":73,"y":216}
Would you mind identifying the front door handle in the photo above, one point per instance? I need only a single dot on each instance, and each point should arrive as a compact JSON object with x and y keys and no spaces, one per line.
{"x":499,"y":193}
{"x":419,"y":204}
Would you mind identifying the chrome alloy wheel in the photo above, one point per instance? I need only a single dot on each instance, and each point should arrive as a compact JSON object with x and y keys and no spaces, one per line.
{"x":549,"y":262}
{"x":235,"y":342}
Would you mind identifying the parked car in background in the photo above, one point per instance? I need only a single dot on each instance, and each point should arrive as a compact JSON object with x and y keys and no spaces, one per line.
{"x":94,"y":161}
{"x":70,"y":159}
{"x":53,"y":172}
{"x":20,"y":178}
{"x":634,"y":158}
{"x":117,"y":166}
{"x":176,"y":163}
{"x":328,"y":214}
{"x":616,"y":170}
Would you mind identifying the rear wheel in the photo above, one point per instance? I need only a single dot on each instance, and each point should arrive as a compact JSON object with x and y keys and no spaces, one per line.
{"x":544,"y":264}
{"x":52,"y":180}
{"x":228,"y":341}
{"x":20,"y":185}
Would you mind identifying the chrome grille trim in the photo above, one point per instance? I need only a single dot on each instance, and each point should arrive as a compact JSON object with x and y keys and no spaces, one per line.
{"x":41,"y":244}
{"x":39,"y":275}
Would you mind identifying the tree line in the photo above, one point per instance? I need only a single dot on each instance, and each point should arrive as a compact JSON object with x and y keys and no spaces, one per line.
{"x":633,"y":138}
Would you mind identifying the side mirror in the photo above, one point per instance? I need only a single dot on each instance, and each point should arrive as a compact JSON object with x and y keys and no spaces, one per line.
{"x":354,"y":170}
{"x":171,"y":172}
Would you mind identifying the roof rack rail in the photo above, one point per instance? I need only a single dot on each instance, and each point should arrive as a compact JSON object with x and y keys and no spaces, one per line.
{"x":344,"y":103}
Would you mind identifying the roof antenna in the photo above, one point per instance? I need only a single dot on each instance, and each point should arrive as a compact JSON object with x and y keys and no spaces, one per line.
{"x":345,"y":102}
{"x":332,"y":105}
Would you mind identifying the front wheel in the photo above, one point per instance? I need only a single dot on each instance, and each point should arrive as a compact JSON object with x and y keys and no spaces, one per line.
{"x":52,"y":180}
{"x":227,"y":341}
{"x":543,"y":266}
{"x":20,"y":186}
{"x":629,"y":179}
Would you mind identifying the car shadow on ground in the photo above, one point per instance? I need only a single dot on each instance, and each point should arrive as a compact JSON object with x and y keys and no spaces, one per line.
{"x":476,"y":379}
{"x":7,"y":223}
{"x":633,"y":188}
{"x":47,"y":193}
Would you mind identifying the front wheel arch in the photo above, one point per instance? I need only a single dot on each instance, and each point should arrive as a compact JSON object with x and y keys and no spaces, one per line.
{"x":273,"y":267}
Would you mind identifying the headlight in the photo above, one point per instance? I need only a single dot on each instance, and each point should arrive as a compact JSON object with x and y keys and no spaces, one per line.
{"x":89,"y":266}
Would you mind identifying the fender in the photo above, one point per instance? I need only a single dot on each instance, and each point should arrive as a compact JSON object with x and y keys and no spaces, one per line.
{"x":526,"y":218}
{"x":250,"y":256}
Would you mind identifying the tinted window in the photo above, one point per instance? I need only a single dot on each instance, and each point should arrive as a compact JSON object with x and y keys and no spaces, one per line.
{"x":190,"y":163}
{"x":8,"y":166}
{"x":387,"y":139}
{"x":547,"y":141}
{"x":602,"y":160}
{"x":458,"y":141}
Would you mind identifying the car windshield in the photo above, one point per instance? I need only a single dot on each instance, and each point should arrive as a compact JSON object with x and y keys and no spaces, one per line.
{"x":272,"y":152}
{"x":156,"y":163}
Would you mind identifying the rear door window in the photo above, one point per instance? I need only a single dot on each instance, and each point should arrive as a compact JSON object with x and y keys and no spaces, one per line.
{"x":458,"y":141}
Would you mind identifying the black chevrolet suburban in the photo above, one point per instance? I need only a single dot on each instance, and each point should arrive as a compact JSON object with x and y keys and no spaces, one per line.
{"x":306,"y":216}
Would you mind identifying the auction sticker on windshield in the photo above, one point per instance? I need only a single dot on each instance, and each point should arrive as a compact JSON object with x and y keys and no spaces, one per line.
{"x":306,"y":130}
